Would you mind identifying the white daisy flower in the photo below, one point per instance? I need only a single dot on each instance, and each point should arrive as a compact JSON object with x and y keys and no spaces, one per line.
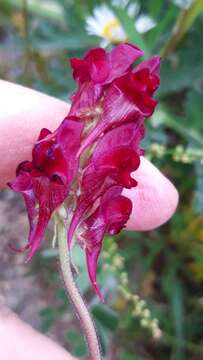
{"x":105,"y":24}
{"x":144,"y":23}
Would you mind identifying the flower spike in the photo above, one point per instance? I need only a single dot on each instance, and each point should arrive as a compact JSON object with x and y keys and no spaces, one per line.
{"x":89,"y":159}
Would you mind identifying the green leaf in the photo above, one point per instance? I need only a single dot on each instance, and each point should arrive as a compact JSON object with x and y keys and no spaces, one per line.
{"x":106,"y":317}
{"x":177,"y":309}
{"x":190,"y":346}
{"x":184,"y":68}
{"x":155,"y":8}
{"x":48,"y":318}
{"x":194,"y":109}
{"x":165,"y":117}
{"x":198,"y":194}
{"x":127,"y":356}
{"x":77,"y":343}
{"x":155,"y":34}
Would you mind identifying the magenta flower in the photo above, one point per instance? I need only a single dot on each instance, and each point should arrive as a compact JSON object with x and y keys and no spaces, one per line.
{"x":89,"y":159}
{"x":115,"y":157}
{"x":128,"y":96}
{"x":101,"y":67}
{"x":109,"y":218}
{"x":45,"y":181}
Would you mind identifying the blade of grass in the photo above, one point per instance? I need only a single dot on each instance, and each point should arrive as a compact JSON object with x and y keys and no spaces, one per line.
{"x":178,"y":315}
{"x":176,"y":123}
{"x":155,"y":34}
{"x":155,"y":7}
{"x":182,"y":25}
{"x":190,"y":346}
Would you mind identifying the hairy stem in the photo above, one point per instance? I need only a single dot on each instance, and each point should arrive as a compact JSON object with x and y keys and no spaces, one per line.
{"x":80,"y":307}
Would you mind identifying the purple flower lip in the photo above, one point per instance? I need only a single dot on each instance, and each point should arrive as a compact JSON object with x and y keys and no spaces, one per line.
{"x":45,"y":181}
{"x":88,"y":160}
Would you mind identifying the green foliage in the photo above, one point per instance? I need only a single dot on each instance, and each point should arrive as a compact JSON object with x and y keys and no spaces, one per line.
{"x":194,"y":109}
{"x":106,"y":316}
{"x":184,"y":68}
{"x":77,"y":343}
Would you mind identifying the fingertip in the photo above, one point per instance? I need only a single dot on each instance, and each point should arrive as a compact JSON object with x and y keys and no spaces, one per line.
{"x":23,"y":113}
{"x":155,"y":199}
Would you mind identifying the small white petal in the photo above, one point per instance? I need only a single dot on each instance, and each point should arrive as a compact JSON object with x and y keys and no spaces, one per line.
{"x":133,"y":10}
{"x":92,"y":26}
{"x":103,"y":13}
{"x":144,"y":23}
{"x":104,"y":43}
{"x":120,"y":3}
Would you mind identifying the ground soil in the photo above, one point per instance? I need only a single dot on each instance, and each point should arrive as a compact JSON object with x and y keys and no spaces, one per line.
{"x":22,"y":287}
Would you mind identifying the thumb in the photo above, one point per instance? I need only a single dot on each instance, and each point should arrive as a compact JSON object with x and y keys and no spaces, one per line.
{"x":154,"y":199}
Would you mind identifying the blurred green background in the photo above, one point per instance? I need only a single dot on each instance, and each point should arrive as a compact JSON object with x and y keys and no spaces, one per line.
{"x":164,"y":267}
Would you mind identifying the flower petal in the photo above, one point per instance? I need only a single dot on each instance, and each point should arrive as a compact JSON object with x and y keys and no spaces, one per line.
{"x":101,"y":67}
{"x":115,"y":156}
{"x":121,"y":58}
{"x":110,"y":217}
{"x":44,"y":183}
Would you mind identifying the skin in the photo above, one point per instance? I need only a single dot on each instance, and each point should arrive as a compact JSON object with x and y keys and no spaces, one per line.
{"x":23,"y":113}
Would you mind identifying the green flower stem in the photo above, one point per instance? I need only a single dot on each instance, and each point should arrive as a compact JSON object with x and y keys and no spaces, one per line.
{"x":183,"y":23}
{"x":80,"y":307}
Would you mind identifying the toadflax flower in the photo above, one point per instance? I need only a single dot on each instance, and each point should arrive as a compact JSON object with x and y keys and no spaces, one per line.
{"x":45,"y":181}
{"x":105,"y":24}
{"x":89,"y":159}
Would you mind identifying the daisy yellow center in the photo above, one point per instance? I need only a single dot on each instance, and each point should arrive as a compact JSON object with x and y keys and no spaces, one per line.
{"x":107,"y":31}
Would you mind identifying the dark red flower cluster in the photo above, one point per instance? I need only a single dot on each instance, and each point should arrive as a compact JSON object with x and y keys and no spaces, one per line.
{"x":93,"y":152}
